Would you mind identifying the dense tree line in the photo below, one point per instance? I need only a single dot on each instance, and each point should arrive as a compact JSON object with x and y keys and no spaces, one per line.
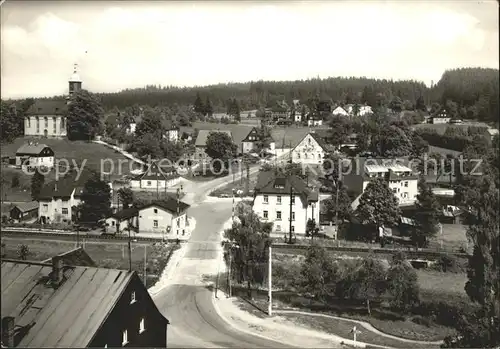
{"x":454,"y":138}
{"x":12,"y":120}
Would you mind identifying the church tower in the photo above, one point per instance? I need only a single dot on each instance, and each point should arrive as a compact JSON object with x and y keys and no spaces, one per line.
{"x":75,"y":83}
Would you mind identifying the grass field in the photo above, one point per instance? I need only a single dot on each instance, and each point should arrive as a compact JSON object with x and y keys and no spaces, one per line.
{"x":441,"y":128}
{"x":79,"y":151}
{"x":106,"y":255}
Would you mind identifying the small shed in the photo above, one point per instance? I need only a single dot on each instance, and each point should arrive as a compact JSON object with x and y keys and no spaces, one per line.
{"x":24,"y":212}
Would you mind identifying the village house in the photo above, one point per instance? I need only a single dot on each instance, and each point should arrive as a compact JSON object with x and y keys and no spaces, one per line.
{"x":51,"y":305}
{"x":171,"y":131}
{"x":201,"y":143}
{"x":123,"y":220}
{"x":340,"y":111}
{"x":58,"y":199}
{"x":441,"y":117}
{"x":286,"y":202}
{"x":362,"y":110}
{"x":314,"y":120}
{"x":250,"y":142}
{"x":34,"y":155}
{"x":490,"y":133}
{"x":310,"y":150}
{"x":25,"y":212}
{"x":401,"y":179}
{"x":156,"y":177}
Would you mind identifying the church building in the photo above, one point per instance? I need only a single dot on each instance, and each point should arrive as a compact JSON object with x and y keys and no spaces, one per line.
{"x":47,"y":118}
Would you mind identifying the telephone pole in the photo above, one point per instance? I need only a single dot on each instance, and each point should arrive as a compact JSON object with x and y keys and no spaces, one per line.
{"x":145,"y":268}
{"x":291,"y":210}
{"x":270,"y":282}
{"x":129,"y":252}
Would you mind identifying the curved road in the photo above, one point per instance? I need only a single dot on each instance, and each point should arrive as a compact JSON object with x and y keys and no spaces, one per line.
{"x":187,"y":301}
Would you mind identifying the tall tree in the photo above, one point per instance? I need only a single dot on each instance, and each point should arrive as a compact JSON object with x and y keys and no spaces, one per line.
{"x":378,"y":206}
{"x":426,"y":217}
{"x":198,"y":104}
{"x":85,"y":116}
{"x":151,"y":123}
{"x":340,"y":130}
{"x":11,"y":122}
{"x":96,"y":201}
{"x":126,"y":197}
{"x":369,"y":281}
{"x":318,"y":273}
{"x":209,"y":109}
{"x":220,"y":146}
{"x":247,"y":243}
{"x":37,"y":181}
{"x":420,"y":104}
{"x":339,"y":205}
{"x":403,"y":287}
{"x":391,"y":142}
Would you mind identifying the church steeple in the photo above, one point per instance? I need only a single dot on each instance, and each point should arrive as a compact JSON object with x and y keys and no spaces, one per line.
{"x":75,"y":83}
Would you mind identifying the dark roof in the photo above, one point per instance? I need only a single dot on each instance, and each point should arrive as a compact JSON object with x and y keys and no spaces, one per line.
{"x":48,"y":108}
{"x":65,"y":186}
{"x":26,"y":206}
{"x":154,"y":171}
{"x":65,"y":316}
{"x":77,"y":257}
{"x":255,"y":132}
{"x":31,"y":149}
{"x":318,"y":138}
{"x":169,"y":125}
{"x":125,"y":214}
{"x":270,"y":182}
{"x":169,"y":204}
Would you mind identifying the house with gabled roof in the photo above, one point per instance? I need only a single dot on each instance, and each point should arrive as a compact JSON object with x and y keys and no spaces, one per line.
{"x":34,"y":155}
{"x":312,"y":149}
{"x":25,"y":211}
{"x":58,"y":199}
{"x":250,"y":142}
{"x":285,"y":201}
{"x":52,"y":305}
{"x":340,"y":111}
{"x":159,"y":175}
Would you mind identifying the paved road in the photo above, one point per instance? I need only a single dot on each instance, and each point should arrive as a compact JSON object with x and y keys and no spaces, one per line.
{"x":187,"y":301}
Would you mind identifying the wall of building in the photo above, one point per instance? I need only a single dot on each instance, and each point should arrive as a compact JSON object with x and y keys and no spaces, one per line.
{"x":154,"y":184}
{"x":35,"y":161}
{"x":308,"y":151}
{"x":57,"y":209}
{"x":302,"y":210}
{"x":127,"y":316}
{"x":55,"y":126}
{"x":164,"y":219}
{"x":406,"y":191}
{"x":113,"y":225}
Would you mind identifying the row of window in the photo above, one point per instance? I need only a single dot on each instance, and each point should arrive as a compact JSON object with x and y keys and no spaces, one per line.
{"x":46,"y":120}
{"x":278,"y":215}
{"x":320,"y":156}
{"x":45,"y":208}
{"x":278,"y":199}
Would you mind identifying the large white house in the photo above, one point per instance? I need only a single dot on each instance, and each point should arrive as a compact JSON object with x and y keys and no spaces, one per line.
{"x":156,"y":177}
{"x":340,"y":111}
{"x":48,"y":118}
{"x":363,"y":110}
{"x":401,"y":179}
{"x":310,"y":150}
{"x":33,"y":155}
{"x":279,"y":198}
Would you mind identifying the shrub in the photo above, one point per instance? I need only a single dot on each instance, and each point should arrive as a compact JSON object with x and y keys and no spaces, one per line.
{"x":448,"y":263}
{"x":420,"y":320}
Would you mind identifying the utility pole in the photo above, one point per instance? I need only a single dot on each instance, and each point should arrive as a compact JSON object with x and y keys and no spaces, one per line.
{"x":291,"y":210}
{"x":337,"y":207}
{"x":129,"y":252}
{"x":270,"y":282}
{"x":145,"y":269}
{"x":229,"y":272}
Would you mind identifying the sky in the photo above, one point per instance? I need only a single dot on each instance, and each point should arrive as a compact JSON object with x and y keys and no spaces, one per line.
{"x":119,"y":45}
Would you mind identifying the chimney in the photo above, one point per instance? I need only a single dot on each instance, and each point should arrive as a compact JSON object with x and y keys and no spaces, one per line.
{"x":8,"y":331}
{"x":57,"y":270}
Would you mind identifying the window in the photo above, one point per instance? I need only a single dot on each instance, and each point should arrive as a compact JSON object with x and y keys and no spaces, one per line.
{"x":37,"y":124}
{"x":312,"y":155}
{"x":293,"y":200}
{"x":278,"y":227}
{"x":406,"y":184}
{"x":305,"y":155}
{"x":298,"y":155}
{"x":45,"y":207}
{"x":266,"y":199}
{"x":394,"y":190}
{"x":293,"y":229}
{"x":125,"y":337}
{"x":112,"y":223}
{"x":266,"y":214}
{"x":293,"y":216}
{"x":64,"y":211}
{"x":278,"y":215}
{"x":155,"y":210}
{"x":46,"y":119}
{"x":178,"y":222}
{"x":149,"y":183}
{"x":279,"y":199}
{"x":132,"y":297}
{"x":142,"y":327}
{"x":155,"y":223}
{"x":29,"y":122}
{"x":54,"y":123}
{"x":63,"y":126}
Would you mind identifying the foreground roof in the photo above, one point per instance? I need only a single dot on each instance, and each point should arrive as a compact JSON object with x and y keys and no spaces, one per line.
{"x":270,"y":182}
{"x":65,"y":316}
{"x":76,"y":257}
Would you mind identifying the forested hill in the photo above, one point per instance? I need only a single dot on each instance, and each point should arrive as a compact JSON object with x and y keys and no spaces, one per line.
{"x":252,"y":95}
{"x":473,"y":93}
